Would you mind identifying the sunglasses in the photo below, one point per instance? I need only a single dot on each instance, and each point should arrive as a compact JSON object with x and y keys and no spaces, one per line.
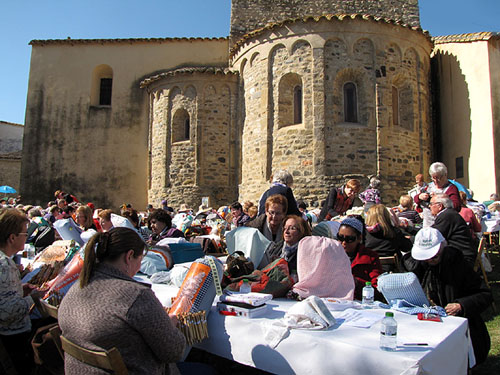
{"x":346,"y":239}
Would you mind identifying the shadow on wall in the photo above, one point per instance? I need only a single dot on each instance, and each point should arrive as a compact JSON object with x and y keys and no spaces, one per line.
{"x":451,"y":116}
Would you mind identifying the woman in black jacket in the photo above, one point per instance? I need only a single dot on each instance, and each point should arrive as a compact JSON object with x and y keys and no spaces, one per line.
{"x":383,"y":237}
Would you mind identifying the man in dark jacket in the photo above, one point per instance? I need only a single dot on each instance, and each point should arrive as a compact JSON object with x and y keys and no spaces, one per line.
{"x":282,"y":182}
{"x":452,"y":226}
{"x":449,"y":281}
{"x":340,"y":200}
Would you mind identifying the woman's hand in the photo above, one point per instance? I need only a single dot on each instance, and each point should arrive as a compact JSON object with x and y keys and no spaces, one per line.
{"x":424,"y":196}
{"x":28,"y":288}
{"x":453,"y":309}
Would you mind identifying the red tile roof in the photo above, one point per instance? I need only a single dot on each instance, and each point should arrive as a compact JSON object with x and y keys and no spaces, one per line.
{"x":465,"y":38}
{"x":69,"y":41}
{"x":186,"y":70}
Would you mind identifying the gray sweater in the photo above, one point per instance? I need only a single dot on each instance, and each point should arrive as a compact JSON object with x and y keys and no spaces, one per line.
{"x":113,"y":310}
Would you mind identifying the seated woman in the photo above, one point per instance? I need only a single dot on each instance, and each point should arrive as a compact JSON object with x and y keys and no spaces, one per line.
{"x":134,"y":219}
{"x":270,"y":224}
{"x":84,"y":218}
{"x":469,"y":217}
{"x":365,"y":265}
{"x":384,"y":238}
{"x":160,"y":223}
{"x":105,"y":220}
{"x":294,"y":229}
{"x":107,"y":309}
{"x":15,"y":324}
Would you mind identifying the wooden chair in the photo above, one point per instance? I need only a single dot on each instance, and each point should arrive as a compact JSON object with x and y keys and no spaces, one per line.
{"x":478,"y":263}
{"x":6,"y":365}
{"x":110,"y":360}
{"x":394,"y":260}
{"x":45,"y":308}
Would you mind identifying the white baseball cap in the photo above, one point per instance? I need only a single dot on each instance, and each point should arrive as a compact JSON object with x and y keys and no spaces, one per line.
{"x":427,"y":243}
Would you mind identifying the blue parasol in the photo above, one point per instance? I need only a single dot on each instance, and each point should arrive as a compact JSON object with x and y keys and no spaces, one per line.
{"x":7,"y":190}
{"x":461,"y":188}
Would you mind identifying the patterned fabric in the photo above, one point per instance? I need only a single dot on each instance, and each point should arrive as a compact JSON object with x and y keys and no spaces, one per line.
{"x":14,"y":308}
{"x":354,"y":223}
{"x":342,"y":203}
{"x":409,"y":308}
{"x":370,"y":195}
{"x":402,"y":286}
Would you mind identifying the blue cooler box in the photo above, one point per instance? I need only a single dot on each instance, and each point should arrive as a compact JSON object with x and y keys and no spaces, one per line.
{"x":186,"y":252}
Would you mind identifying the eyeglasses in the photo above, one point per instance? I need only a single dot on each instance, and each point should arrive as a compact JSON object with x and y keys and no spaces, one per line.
{"x":346,"y":239}
{"x":275,"y":213}
{"x":23,"y":233}
{"x":433,"y":203}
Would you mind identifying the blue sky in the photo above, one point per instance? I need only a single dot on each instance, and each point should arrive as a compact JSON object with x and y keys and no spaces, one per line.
{"x":24,"y":20}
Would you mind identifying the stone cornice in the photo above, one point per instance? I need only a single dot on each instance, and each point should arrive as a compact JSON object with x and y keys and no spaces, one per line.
{"x":72,"y":42}
{"x":187,"y":70}
{"x":328,"y":17}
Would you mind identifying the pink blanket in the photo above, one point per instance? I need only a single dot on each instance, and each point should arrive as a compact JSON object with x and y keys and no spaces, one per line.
{"x":323,"y":269}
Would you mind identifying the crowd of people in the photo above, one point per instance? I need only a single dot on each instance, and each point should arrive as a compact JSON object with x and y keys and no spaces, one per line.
{"x":433,"y":232}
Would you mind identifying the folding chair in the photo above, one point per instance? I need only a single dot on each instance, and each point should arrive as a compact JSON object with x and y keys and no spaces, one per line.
{"x":45,"y":308}
{"x":110,"y":360}
{"x":393,"y":260}
{"x":478,"y":263}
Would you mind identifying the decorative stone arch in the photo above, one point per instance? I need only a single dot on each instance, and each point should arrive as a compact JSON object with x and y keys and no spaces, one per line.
{"x":273,"y":52}
{"x":363,"y":51}
{"x":290,"y":100}
{"x":393,"y":58}
{"x":403,"y":103}
{"x":254,"y":57}
{"x":411,"y":59}
{"x":349,"y":82}
{"x":298,"y":44}
{"x":190,"y":92}
{"x":243,"y":66}
{"x":101,"y":86}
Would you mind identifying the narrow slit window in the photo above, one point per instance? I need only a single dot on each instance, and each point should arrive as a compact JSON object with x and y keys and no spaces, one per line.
{"x":186,"y":128}
{"x":350,"y":103}
{"x":105,"y":91}
{"x":395,"y":106}
{"x":297,"y":105}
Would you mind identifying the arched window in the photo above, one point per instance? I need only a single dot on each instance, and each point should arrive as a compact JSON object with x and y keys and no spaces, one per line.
{"x":395,"y":106}
{"x":297,"y":105}
{"x":350,"y":102}
{"x":181,"y":126}
{"x":102,"y":86}
{"x":290,"y":107}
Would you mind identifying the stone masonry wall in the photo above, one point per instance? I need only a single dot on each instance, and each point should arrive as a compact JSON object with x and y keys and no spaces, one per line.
{"x":185,"y":171}
{"x":326,"y":150}
{"x":248,"y":15}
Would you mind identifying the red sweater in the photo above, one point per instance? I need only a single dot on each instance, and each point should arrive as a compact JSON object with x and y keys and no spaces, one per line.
{"x":365,"y":267}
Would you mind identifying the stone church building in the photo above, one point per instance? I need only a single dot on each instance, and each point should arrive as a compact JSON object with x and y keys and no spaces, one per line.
{"x":326,"y":89}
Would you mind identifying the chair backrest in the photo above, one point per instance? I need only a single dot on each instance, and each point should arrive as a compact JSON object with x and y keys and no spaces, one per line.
{"x":107,"y":360}
{"x":6,"y":365}
{"x":393,"y":260}
{"x":45,"y":308}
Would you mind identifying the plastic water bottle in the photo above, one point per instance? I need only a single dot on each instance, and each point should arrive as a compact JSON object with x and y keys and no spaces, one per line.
{"x":30,"y":251}
{"x":389,"y":333}
{"x":368,"y":293}
{"x":245,"y":287}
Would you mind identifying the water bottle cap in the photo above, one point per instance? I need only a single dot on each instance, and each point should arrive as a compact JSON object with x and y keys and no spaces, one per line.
{"x":245,"y":280}
{"x":389,"y":314}
{"x":368,"y":283}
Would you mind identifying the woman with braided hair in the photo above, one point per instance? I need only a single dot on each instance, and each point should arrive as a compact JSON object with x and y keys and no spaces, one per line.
{"x":108,"y":308}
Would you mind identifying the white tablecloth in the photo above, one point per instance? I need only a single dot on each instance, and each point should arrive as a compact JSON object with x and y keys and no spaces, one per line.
{"x":342,"y":349}
{"x":339,"y":350}
{"x":490,"y":225}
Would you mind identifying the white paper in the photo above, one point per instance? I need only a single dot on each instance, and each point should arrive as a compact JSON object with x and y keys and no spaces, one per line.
{"x":359,"y":318}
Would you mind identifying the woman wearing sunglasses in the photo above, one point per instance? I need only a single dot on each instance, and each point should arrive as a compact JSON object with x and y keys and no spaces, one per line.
{"x":108,"y":308}
{"x":365,"y":265}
